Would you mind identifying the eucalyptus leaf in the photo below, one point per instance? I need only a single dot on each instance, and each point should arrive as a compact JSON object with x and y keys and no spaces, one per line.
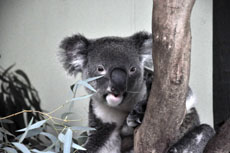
{"x":82,"y":128}
{"x":78,"y":147}
{"x":82,"y":138}
{"x":54,"y":141}
{"x":57,"y":147}
{"x":61,"y":137}
{"x":31,"y":133}
{"x":85,"y":84}
{"x":26,"y":131}
{"x":21,"y":147}
{"x":7,"y":70}
{"x":75,"y":86}
{"x":68,"y":140}
{"x":37,"y":151}
{"x":93,"y":78}
{"x":1,"y":136}
{"x":6,"y":132}
{"x":33,"y":126}
{"x":9,"y":150}
{"x":52,"y":138}
{"x":21,"y":73}
{"x":80,"y":98}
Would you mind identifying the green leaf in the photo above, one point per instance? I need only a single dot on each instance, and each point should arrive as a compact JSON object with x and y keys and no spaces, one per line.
{"x":57,"y":144}
{"x":82,"y":138}
{"x":10,"y":150}
{"x":61,"y":137}
{"x":78,"y":147}
{"x":21,"y":73}
{"x":31,"y":133}
{"x":37,"y":151}
{"x":33,"y":126}
{"x":75,"y":86}
{"x":85,"y":84}
{"x":7,"y":70}
{"x":93,"y":78}
{"x":82,"y":128}
{"x":68,"y":140}
{"x":1,"y":136}
{"x":21,"y":147}
{"x":52,"y":138}
{"x":26,"y":131}
{"x":80,"y":98}
{"x":6,"y":132}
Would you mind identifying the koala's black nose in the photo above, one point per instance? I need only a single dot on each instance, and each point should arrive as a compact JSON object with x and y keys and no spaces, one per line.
{"x":118,"y":80}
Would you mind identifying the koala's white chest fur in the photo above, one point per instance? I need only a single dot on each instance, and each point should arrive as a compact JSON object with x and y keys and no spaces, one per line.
{"x":109,"y":114}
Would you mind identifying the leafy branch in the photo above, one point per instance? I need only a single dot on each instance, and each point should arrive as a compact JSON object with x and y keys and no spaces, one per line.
{"x":31,"y":138}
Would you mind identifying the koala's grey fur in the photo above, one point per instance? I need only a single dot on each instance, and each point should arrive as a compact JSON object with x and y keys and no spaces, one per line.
{"x":122,"y":92}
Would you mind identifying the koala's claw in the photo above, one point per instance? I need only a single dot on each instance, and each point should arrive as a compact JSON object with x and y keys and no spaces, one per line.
{"x":132,"y":123}
{"x":134,"y":119}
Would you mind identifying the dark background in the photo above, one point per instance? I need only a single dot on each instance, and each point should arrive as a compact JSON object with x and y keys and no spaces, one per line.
{"x":221,"y":61}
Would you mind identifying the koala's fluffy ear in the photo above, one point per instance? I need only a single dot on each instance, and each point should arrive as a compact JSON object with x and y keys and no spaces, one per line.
{"x":74,"y":53}
{"x":143,"y":41}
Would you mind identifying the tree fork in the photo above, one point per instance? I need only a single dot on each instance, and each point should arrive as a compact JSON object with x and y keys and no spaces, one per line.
{"x":171,"y":57}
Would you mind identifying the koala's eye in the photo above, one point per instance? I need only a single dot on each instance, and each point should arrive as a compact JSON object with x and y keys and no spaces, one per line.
{"x":100,"y":69}
{"x":132,"y":69}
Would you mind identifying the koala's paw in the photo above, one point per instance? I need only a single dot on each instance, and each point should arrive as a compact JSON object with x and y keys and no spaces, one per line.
{"x":133,"y":120}
{"x":135,"y":117}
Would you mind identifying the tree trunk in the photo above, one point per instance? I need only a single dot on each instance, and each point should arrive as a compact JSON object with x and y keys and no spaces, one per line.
{"x":220,"y":143}
{"x":171,"y":57}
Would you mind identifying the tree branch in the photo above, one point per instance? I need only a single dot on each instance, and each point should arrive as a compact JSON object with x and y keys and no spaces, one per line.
{"x":171,"y":56}
{"x":220,"y":143}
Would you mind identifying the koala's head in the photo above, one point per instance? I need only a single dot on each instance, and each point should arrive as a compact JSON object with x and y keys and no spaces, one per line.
{"x":120,"y":60}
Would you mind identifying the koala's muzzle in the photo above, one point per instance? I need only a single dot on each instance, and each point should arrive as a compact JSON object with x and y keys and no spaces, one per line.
{"x":118,"y":80}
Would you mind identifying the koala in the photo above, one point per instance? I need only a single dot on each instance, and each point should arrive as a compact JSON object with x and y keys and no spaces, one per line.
{"x":118,"y":105}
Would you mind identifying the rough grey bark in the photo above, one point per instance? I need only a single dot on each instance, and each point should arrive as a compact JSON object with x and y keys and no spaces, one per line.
{"x":220,"y":143}
{"x":171,"y":56}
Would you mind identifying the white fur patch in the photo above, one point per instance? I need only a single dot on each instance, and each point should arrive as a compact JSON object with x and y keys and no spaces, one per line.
{"x":190,"y":102}
{"x":199,"y":138}
{"x":148,"y":45}
{"x":113,"y":144}
{"x":109,"y":114}
{"x":146,"y":59}
{"x":146,"y":54}
{"x":78,"y":62}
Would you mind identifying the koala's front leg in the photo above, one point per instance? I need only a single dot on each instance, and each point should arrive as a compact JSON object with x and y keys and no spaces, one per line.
{"x":135,"y":117}
{"x":106,"y":137}
{"x":100,"y":140}
{"x":194,"y":141}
